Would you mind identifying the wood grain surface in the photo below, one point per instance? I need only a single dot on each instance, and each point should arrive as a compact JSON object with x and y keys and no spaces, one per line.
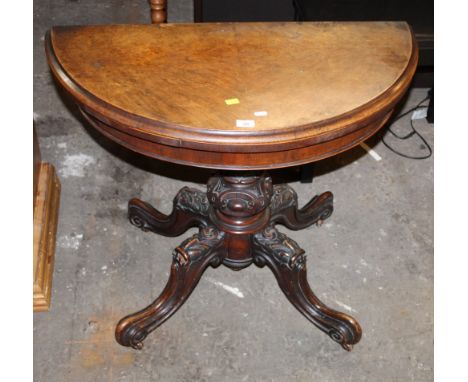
{"x":168,"y":84}
{"x":46,"y":209}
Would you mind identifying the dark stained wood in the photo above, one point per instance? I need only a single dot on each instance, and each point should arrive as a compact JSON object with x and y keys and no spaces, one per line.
{"x":190,"y":210}
{"x":234,"y":160}
{"x":288,"y":263}
{"x":285,"y":208}
{"x":161,"y":90}
{"x":325,"y":86}
{"x":236,"y":218}
{"x":190,"y":260}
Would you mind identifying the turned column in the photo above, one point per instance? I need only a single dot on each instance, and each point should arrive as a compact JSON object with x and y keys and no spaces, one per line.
{"x":239,"y":207}
{"x":158,"y":11}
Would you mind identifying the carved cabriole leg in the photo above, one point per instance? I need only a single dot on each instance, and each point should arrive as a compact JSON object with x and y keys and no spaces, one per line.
{"x":288,"y":263}
{"x":236,"y":218}
{"x":190,"y":210}
{"x":158,"y":11}
{"x":284,"y":208}
{"x":190,"y":260}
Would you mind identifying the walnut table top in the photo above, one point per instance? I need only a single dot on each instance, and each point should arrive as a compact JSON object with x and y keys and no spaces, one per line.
{"x":236,"y":95}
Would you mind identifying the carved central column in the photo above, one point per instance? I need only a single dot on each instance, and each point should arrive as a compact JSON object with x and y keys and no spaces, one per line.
{"x":239,"y":206}
{"x":236,"y":218}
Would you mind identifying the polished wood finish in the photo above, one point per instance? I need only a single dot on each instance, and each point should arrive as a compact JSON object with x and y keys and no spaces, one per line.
{"x":158,"y":11}
{"x":325,"y":86}
{"x":161,"y":90}
{"x":236,"y":218}
{"x":235,"y":160}
{"x":46,"y":207}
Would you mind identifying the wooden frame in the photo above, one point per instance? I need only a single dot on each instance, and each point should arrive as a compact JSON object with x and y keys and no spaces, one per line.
{"x":46,"y":207}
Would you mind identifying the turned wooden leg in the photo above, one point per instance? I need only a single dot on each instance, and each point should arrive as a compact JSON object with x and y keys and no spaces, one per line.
{"x":158,"y":11}
{"x":288,"y":263}
{"x":190,"y":210}
{"x":190,"y":260}
{"x":284,"y":208}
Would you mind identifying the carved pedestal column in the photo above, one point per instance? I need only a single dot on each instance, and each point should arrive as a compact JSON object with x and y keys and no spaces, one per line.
{"x":239,"y":207}
{"x":236,"y":218}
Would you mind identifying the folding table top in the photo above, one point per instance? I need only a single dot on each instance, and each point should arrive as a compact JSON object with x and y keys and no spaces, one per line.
{"x":236,"y":87}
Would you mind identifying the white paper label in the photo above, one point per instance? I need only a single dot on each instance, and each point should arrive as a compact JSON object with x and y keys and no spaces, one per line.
{"x":245,"y":123}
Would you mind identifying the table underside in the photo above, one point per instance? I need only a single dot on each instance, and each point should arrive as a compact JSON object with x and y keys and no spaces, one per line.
{"x":252,"y":160}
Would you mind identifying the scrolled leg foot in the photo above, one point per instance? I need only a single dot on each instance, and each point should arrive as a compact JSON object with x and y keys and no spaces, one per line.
{"x":190,"y":209}
{"x":190,"y":260}
{"x":288,"y":263}
{"x":284,"y":208}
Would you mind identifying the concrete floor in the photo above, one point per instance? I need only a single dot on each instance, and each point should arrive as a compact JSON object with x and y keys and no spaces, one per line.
{"x":373,"y":258}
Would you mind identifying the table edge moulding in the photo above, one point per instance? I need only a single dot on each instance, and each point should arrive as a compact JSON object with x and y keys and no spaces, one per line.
{"x":206,"y":147}
{"x":238,"y":213}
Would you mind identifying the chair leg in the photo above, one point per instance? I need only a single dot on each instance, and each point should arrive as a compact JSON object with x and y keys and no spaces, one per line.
{"x":158,"y":11}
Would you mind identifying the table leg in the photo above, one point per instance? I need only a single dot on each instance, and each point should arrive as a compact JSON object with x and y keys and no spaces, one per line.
{"x":288,"y":263}
{"x":285,"y":211}
{"x":236,"y":217}
{"x":190,"y":209}
{"x":189,"y":262}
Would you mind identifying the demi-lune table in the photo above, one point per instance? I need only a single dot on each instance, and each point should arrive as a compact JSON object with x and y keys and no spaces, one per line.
{"x":240,"y":98}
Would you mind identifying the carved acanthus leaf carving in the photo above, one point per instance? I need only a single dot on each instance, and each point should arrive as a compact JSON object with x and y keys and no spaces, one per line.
{"x":196,"y":247}
{"x":240,"y":196}
{"x":192,"y":200}
{"x":285,"y":250}
{"x":283,"y":197}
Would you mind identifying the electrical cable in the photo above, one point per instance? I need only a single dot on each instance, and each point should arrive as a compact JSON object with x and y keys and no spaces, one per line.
{"x":410,"y":134}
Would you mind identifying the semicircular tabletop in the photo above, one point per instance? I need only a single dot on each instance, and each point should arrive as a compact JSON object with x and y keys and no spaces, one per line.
{"x":236,"y":95}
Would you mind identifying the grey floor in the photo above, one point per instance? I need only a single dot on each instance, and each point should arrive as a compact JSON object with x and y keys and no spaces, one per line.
{"x":373,"y":258}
